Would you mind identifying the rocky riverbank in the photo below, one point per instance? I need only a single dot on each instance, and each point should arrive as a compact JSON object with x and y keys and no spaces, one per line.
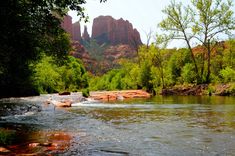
{"x":202,"y":89}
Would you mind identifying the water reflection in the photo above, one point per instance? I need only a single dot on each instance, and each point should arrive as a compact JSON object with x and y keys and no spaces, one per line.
{"x":29,"y":139}
{"x":213,"y":115}
{"x":168,"y":126}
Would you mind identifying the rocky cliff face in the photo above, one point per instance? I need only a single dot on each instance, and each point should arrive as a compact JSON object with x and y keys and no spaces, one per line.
{"x":67,"y":25}
{"x":106,"y":29}
{"x":76,"y":31}
{"x":119,"y":51}
{"x":85,"y":35}
{"x":120,"y":37}
{"x":80,"y":52}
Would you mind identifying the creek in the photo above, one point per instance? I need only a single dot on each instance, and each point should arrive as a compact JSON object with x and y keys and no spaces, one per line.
{"x":171,"y":125}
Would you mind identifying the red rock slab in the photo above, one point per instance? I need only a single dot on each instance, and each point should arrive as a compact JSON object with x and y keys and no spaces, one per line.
{"x":116,"y":95}
{"x":42,"y":143}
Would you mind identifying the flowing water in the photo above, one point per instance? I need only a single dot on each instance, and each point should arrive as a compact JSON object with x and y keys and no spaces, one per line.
{"x":173,"y":125}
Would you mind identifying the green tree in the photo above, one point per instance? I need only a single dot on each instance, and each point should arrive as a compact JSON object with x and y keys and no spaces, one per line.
{"x":28,"y":28}
{"x":228,"y":74}
{"x":152,"y":58}
{"x":203,"y":22}
{"x":188,"y":73}
{"x":73,"y":75}
{"x":51,"y":77}
{"x":229,"y":54}
{"x":46,"y":77}
{"x":176,"y":63}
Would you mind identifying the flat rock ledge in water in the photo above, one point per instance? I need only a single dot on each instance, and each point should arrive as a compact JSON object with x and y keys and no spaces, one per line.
{"x":119,"y":95}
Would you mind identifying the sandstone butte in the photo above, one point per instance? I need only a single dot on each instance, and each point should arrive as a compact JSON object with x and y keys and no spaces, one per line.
{"x":118,"y":95}
{"x":106,"y":29}
{"x":66,"y":24}
{"x":76,"y":29}
{"x":122,"y":38}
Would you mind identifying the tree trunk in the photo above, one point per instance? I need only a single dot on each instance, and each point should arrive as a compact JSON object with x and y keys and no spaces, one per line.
{"x":208,"y":64}
{"x":194,"y":62}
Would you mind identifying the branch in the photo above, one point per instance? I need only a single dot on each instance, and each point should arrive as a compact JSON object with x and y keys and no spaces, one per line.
{"x":215,"y":33}
{"x":200,"y":40}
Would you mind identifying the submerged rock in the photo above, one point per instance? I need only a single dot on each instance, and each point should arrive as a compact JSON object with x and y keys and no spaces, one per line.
{"x":16,"y":106}
{"x":3,"y":150}
{"x":66,"y":103}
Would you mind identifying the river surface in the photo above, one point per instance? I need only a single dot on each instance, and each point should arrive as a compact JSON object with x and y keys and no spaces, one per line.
{"x":173,"y":125}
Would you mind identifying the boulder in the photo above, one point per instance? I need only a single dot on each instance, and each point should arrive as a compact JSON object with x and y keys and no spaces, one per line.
{"x":64,"y":103}
{"x":3,"y":150}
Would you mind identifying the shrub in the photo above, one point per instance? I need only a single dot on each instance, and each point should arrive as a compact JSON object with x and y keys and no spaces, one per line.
{"x":85,"y":92}
{"x":188,"y":74}
{"x":227,"y":74}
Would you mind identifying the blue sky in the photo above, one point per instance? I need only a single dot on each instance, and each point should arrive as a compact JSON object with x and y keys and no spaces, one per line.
{"x":143,"y":14}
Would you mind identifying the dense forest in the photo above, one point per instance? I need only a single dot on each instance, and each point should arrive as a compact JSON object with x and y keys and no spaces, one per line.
{"x":35,"y":50}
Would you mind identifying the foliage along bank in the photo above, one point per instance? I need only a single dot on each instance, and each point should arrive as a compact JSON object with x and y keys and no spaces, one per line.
{"x":51,"y":77}
{"x":157,"y":68}
{"x":203,"y":22}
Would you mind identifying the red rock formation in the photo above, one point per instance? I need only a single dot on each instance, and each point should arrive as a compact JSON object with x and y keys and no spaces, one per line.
{"x":76,"y":31}
{"x":80,"y":52}
{"x":119,"y":95}
{"x":119,"y":51}
{"x":85,"y":35}
{"x":67,"y":24}
{"x":106,"y":29}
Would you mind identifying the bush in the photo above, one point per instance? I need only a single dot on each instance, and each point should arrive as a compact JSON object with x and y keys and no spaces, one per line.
{"x":227,"y":74}
{"x":85,"y":92}
{"x":50,"y":77}
{"x":188,"y":74}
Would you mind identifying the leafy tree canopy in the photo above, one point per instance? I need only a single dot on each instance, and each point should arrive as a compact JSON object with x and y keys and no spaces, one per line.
{"x":202,"y":22}
{"x":29,"y":27}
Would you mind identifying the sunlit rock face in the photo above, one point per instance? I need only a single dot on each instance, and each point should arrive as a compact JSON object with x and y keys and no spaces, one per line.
{"x":116,"y":39}
{"x":73,"y":29}
{"x":66,"y":24}
{"x":76,"y":31}
{"x":106,"y":29}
